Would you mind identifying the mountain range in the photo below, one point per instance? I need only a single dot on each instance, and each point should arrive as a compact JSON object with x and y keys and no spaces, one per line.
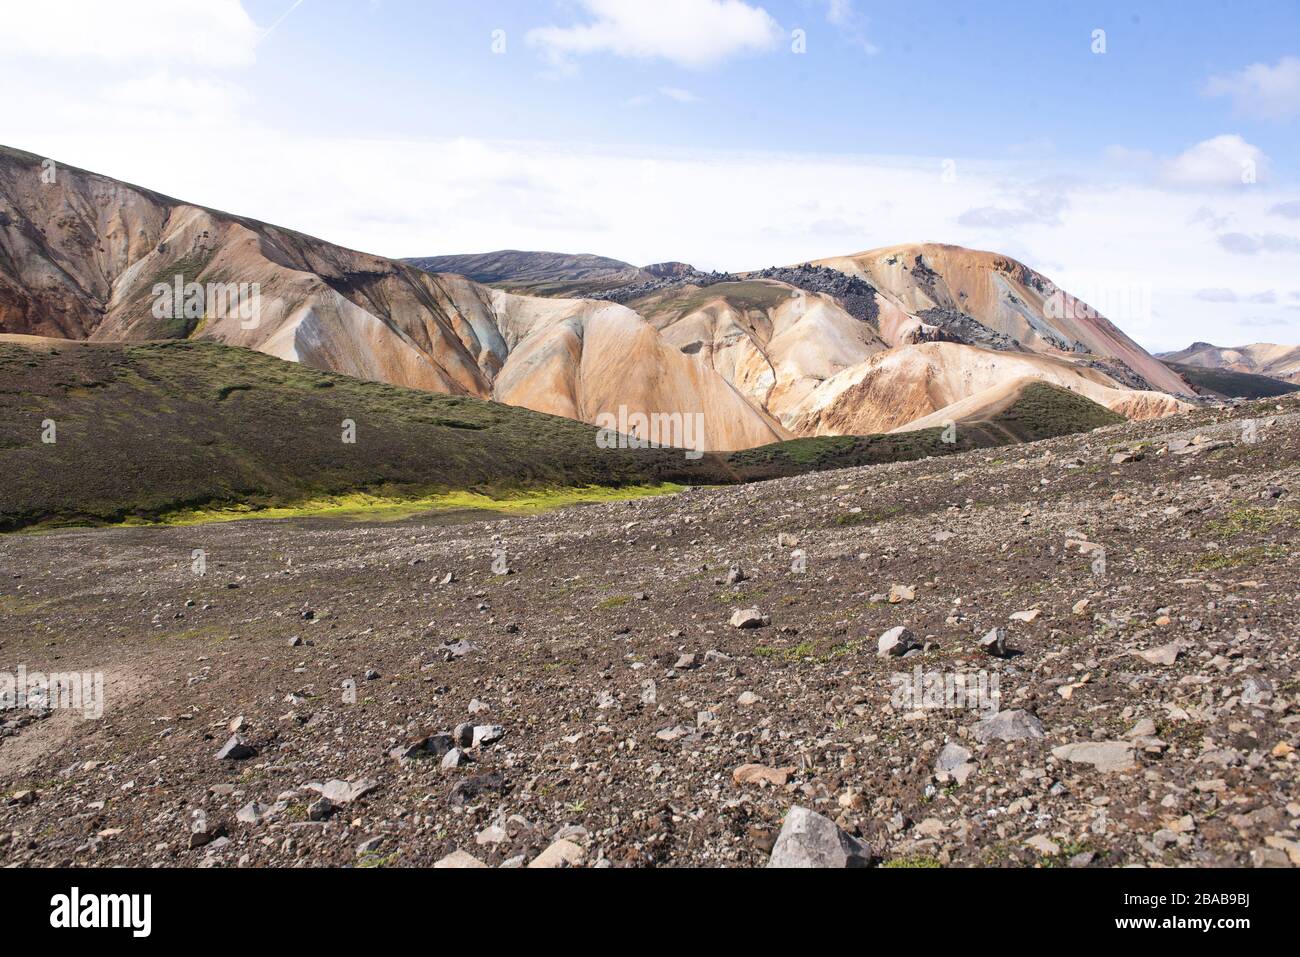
{"x":1260,"y":358}
{"x":891,"y":339}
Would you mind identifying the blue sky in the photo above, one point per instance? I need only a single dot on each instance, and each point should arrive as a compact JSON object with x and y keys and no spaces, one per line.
{"x":1157,"y":179}
{"x":942,"y":77}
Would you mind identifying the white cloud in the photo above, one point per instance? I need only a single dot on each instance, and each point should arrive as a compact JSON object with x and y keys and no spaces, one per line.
{"x":1290,"y":210}
{"x":690,"y":33}
{"x":1252,"y":244}
{"x":851,"y":23}
{"x":1272,"y":92}
{"x":211,"y":33}
{"x":1226,"y":160}
{"x":1033,"y":208}
{"x":680,"y":96}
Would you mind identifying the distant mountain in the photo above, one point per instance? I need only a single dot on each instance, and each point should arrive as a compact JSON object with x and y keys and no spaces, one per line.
{"x":996,"y":301}
{"x":538,"y":274}
{"x":1261,"y":358}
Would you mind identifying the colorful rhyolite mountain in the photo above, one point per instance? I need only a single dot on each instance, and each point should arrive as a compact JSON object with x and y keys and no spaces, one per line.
{"x":1260,"y":358}
{"x":883,"y":340}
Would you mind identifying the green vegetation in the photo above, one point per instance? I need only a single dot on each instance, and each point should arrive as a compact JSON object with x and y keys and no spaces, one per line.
{"x":360,"y":505}
{"x":1254,"y":519}
{"x":191,"y":431}
{"x":1045,"y":411}
{"x":916,"y":861}
{"x":798,"y":652}
{"x":1244,"y":558}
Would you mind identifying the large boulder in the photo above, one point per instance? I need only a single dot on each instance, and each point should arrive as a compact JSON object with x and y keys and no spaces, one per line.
{"x":809,"y":840}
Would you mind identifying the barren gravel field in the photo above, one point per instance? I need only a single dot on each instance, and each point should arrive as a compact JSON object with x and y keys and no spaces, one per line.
{"x":660,"y":682}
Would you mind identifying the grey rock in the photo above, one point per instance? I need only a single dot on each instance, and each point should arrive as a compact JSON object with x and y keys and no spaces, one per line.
{"x":236,"y":749}
{"x":1105,"y":756}
{"x":1007,"y":726}
{"x":895,"y":643}
{"x":486,"y":734}
{"x":995,"y":643}
{"x":749,"y":618}
{"x":951,"y":757}
{"x":809,"y":840}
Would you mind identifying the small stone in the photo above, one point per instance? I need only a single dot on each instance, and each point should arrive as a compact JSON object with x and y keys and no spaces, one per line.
{"x":995,"y":643}
{"x":895,"y":643}
{"x":235,"y":749}
{"x":687,"y":663}
{"x":1163,"y":655}
{"x":1026,"y":616}
{"x":761,"y":774}
{"x":344,"y":792}
{"x":486,"y":734}
{"x":1105,"y":756}
{"x":252,"y":813}
{"x":562,"y":853}
{"x":748,"y":698}
{"x":1044,"y":845}
{"x":459,"y":860}
{"x":749,"y":618}
{"x":901,"y":593}
{"x":1007,"y":726}
{"x":951,"y":757}
{"x":454,"y":759}
{"x":320,"y":809}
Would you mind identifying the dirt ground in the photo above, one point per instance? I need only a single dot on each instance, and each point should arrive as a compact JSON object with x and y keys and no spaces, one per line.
{"x":616,"y":702}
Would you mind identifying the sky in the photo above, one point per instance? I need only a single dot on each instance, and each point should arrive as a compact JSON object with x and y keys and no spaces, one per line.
{"x":1141,"y":154}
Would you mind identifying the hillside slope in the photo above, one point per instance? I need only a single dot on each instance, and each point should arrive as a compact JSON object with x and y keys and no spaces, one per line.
{"x":141,"y":430}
